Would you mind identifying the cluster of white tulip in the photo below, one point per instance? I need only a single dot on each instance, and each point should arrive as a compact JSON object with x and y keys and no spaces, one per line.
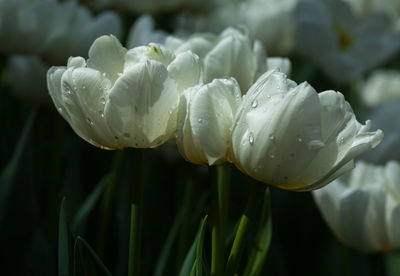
{"x":215,"y":95}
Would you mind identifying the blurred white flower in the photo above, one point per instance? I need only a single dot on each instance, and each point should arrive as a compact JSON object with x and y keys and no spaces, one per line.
{"x":270,"y":21}
{"x":385,"y":117}
{"x":28,"y":79}
{"x":205,"y":121}
{"x":143,"y":32}
{"x":52,"y":29}
{"x":381,"y":86}
{"x":231,"y":54}
{"x":328,"y":33}
{"x":363,"y":208}
{"x":288,"y":135}
{"x":119,"y":98}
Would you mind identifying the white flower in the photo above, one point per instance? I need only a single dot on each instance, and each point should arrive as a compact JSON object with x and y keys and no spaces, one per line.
{"x":328,"y":33}
{"x":290,"y":136}
{"x":363,"y":208}
{"x":205,"y":121}
{"x":119,"y":98}
{"x":381,"y":86}
{"x":269,"y":21}
{"x":385,"y":117}
{"x":231,"y":54}
{"x":28,"y":79}
{"x":142,"y":32}
{"x":52,"y":29}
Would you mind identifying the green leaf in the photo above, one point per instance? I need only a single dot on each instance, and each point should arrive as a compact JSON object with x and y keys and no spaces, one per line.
{"x":8,"y":173}
{"x":165,"y":251}
{"x":263,"y":240}
{"x":96,"y":266}
{"x":63,"y":242}
{"x":78,"y":222}
{"x":199,"y":251}
{"x":189,"y":259}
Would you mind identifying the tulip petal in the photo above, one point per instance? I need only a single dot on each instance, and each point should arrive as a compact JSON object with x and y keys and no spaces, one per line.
{"x":185,"y":69}
{"x":212,"y":110}
{"x":142,"y":106}
{"x":107,"y":56}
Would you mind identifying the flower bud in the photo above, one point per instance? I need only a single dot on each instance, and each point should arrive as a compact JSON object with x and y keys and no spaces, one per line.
{"x":205,"y":121}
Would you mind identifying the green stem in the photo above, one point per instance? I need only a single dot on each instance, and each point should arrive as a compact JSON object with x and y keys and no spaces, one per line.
{"x":220,"y":184}
{"x":377,"y":264}
{"x":135,"y":235}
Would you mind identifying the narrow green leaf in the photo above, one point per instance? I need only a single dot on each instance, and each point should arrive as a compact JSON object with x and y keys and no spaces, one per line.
{"x":199,"y":250}
{"x":8,"y":173}
{"x":134,"y":242}
{"x":78,"y":222}
{"x":263,"y":240}
{"x":165,"y":251}
{"x":99,"y":265}
{"x":63,"y":242}
{"x":189,"y":259}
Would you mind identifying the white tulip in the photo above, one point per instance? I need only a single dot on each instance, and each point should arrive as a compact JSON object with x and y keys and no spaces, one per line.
{"x":290,"y":136}
{"x":231,"y":54}
{"x":363,"y":208}
{"x":143,"y":32}
{"x":381,"y":86}
{"x":205,"y":121}
{"x":328,"y":34}
{"x":119,"y":98}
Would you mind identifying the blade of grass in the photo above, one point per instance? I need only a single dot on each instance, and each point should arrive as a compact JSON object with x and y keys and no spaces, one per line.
{"x":263,"y":240}
{"x":199,"y":251}
{"x":165,"y":252}
{"x":248,"y":217}
{"x":78,"y":221}
{"x":8,"y":173}
{"x":81,"y":243}
{"x":63,"y":242}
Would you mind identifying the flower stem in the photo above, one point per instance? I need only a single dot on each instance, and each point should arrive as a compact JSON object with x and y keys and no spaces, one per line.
{"x":135,"y":234}
{"x":220,"y":184}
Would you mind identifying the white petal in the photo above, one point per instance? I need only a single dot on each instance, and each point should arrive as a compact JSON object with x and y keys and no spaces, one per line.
{"x":211,"y":117}
{"x":107,"y":56}
{"x":185,"y":69}
{"x":281,"y":64}
{"x":142,"y":106}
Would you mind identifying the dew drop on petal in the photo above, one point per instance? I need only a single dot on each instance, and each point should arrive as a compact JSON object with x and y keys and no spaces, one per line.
{"x":200,"y":120}
{"x":272,"y":156}
{"x":60,"y":109}
{"x":299,"y":139}
{"x":104,"y":74}
{"x":271,"y":137}
{"x":315,"y":144}
{"x":101,"y":113}
{"x":83,"y":87}
{"x":102,"y":101}
{"x":251,"y":138}
{"x":89,"y":121}
{"x":341,"y":140}
{"x":254,"y":104}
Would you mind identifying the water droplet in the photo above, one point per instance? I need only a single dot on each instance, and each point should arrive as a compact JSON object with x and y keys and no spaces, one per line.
{"x":119,"y":74}
{"x":83,"y":87}
{"x":269,"y":96}
{"x":315,"y":144}
{"x":251,"y":138}
{"x":127,"y":135}
{"x":200,"y":120}
{"x":89,"y":121}
{"x":101,"y":113}
{"x":104,"y":74}
{"x":272,"y":156}
{"x":170,"y":111}
{"x":299,"y":139}
{"x":271,"y":137}
{"x":60,"y":109}
{"x":254,"y":104}
{"x":341,"y":140}
{"x":103,"y":101}
{"x":69,"y":92}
